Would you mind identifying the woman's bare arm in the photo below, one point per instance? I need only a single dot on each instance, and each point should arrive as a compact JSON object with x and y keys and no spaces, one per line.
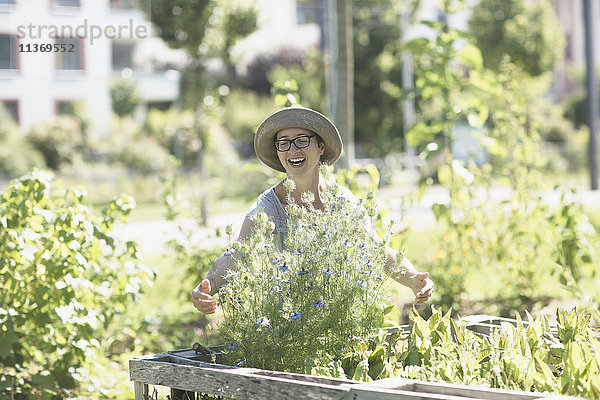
{"x":202,"y":294}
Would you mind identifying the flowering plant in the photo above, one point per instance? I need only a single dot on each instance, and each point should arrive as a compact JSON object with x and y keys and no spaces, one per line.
{"x":287,"y":307}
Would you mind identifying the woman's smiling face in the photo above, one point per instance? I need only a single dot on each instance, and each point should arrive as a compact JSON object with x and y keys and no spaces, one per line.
{"x":299,"y":161}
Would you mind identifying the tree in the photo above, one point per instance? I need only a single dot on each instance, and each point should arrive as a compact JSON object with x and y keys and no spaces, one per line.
{"x":528,"y":32}
{"x":377,"y":76}
{"x":181,"y":23}
{"x":205,"y":29}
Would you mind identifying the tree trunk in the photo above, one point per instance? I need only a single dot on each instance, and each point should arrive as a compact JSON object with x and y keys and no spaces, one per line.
{"x":342,"y":95}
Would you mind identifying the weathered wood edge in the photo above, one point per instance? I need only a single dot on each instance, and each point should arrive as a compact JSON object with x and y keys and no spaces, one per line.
{"x":472,"y":392}
{"x":454,"y":391}
{"x":237,"y":382}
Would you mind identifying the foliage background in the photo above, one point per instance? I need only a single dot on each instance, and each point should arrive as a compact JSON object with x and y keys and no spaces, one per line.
{"x":542,"y":253}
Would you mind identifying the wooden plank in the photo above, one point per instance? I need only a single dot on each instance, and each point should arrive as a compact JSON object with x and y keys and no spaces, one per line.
{"x":236,"y":383}
{"x":441,"y":390}
{"x":363,"y":392}
{"x":438,"y":390}
{"x":140,"y":391}
{"x":306,"y":378}
{"x":475,"y":392}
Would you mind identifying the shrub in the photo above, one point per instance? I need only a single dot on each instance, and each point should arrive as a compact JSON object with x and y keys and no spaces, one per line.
{"x":144,"y":155}
{"x":307,"y":301}
{"x":124,"y":97}
{"x":243,"y":111}
{"x":63,"y":278}
{"x":59,"y":141}
{"x":17,"y":155}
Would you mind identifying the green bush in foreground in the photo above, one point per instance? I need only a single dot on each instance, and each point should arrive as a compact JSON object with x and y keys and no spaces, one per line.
{"x":306,"y":303}
{"x":63,"y":277}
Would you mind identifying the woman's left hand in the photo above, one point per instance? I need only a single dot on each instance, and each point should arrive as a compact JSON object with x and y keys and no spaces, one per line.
{"x":422,"y":287}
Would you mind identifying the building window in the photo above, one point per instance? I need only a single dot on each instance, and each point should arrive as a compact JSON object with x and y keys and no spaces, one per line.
{"x":11,"y":107}
{"x":122,"y":55}
{"x":8,"y":52}
{"x":66,"y":3}
{"x":72,"y":59}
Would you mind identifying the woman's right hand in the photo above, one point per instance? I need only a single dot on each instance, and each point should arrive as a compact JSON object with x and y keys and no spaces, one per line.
{"x":202,"y":299}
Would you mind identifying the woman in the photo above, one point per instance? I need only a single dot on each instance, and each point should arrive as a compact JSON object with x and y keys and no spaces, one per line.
{"x":296,"y":141}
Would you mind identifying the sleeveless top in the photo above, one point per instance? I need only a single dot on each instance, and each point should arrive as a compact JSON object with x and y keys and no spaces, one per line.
{"x":269,"y":203}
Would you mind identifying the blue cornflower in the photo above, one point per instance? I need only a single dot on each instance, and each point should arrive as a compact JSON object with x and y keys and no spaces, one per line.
{"x":348,"y":243}
{"x":362,"y":247}
{"x":239,"y":363}
{"x":232,"y":345}
{"x":302,"y":272}
{"x":328,"y":271}
{"x":263,"y":321}
{"x":230,"y":275}
{"x":317,"y":303}
{"x":284,"y":267}
{"x":276,"y":262}
{"x":295,"y":315}
{"x":341,"y":347}
{"x":229,"y":252}
{"x":369,"y":263}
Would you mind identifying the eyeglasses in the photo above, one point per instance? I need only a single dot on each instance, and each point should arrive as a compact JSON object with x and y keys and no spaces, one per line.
{"x":300,"y":142}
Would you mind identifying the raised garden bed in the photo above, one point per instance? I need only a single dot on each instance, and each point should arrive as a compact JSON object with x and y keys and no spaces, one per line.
{"x":198,"y":370}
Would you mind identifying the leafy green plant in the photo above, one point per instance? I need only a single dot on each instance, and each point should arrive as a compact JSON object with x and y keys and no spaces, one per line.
{"x":59,"y":141}
{"x":286,"y":308}
{"x":124,"y":97}
{"x":520,"y":238}
{"x":575,"y":253}
{"x":529,"y":355}
{"x":64,"y":277}
{"x":526,"y":356}
{"x":505,"y":28}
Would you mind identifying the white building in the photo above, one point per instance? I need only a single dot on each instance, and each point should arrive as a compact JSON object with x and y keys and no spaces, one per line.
{"x":53,"y":52}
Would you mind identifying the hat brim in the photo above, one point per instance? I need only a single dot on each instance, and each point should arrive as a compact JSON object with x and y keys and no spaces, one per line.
{"x":296,"y":117}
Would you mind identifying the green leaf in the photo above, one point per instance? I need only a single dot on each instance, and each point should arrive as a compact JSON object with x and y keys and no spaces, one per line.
{"x":457,"y":333}
{"x":377,"y":355}
{"x":439,"y":210}
{"x":445,"y":174}
{"x":361,"y":371}
{"x":543,"y":376}
{"x":470,"y":55}
{"x":7,"y":339}
{"x":416,"y":46}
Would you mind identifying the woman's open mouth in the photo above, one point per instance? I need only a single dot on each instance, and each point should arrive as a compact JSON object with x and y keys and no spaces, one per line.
{"x":296,"y":162}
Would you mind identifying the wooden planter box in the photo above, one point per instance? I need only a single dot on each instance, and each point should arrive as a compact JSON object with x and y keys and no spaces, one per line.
{"x":191,"y":371}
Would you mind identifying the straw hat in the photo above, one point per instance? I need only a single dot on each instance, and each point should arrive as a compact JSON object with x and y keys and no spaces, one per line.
{"x":296,"y":117}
